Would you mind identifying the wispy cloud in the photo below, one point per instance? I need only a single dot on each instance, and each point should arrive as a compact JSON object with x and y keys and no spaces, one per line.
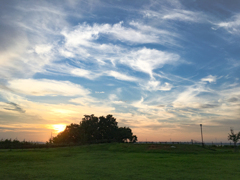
{"x":233,"y":99}
{"x":28,"y":46}
{"x":121,"y":76}
{"x":45,"y":87}
{"x":209,"y":79}
{"x":189,"y":97}
{"x":84,"y":73}
{"x":14,"y":107}
{"x":82,"y":44}
{"x":232,"y":25}
{"x":146,"y":60}
{"x":154,"y":85}
{"x":84,"y":34}
{"x":178,"y":14}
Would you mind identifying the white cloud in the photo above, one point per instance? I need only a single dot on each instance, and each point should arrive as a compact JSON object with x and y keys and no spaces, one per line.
{"x":184,"y":15}
{"x":177,"y":14}
{"x":28,"y":35}
{"x":66,"y":53}
{"x":99,"y":92}
{"x":120,"y":76}
{"x":86,"y":100}
{"x":113,"y":97}
{"x":128,"y":34}
{"x":209,"y":79}
{"x":81,"y":72}
{"x":143,"y":107}
{"x":154,"y":85}
{"x":81,"y":35}
{"x":43,"y":87}
{"x":230,"y":91}
{"x":85,"y":35}
{"x":84,"y":73}
{"x":146,"y":60}
{"x":43,"y":48}
{"x":93,"y":74}
{"x":152,"y":111}
{"x":119,"y":90}
{"x":164,"y":37}
{"x":13,"y":44}
{"x":232,"y":26}
{"x":188,"y":97}
{"x":81,"y":45}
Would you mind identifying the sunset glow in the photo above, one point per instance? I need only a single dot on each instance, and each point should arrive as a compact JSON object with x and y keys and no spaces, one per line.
{"x":159,"y":67}
{"x":59,"y":127}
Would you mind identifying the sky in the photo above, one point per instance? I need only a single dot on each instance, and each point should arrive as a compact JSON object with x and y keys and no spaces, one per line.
{"x":161,"y":68}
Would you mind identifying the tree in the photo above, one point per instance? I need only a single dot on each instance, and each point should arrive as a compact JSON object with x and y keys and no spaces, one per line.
{"x":93,"y":129}
{"x":71,"y":134}
{"x":89,"y":129}
{"x":133,"y":139}
{"x":108,"y":128}
{"x":234,"y":137}
{"x":125,"y":135}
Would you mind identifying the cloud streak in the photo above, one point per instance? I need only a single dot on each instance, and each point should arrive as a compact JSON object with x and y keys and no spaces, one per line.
{"x":15,"y":107}
{"x":232,"y":26}
{"x":45,"y":87}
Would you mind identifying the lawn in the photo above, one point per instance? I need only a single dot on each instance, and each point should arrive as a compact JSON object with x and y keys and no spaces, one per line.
{"x":120,"y":161}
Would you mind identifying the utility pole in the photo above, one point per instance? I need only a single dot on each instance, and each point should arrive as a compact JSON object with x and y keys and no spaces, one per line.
{"x":201,"y":134}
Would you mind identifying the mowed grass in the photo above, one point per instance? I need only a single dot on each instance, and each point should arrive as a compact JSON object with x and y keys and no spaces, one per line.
{"x":120,"y":161}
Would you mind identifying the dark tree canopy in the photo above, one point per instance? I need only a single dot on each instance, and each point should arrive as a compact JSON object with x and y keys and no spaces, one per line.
{"x":93,"y":129}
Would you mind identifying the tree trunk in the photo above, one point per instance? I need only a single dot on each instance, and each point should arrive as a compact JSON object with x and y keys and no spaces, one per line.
{"x":235,"y":146}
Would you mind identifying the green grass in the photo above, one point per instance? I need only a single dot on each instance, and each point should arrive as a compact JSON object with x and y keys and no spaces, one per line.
{"x":120,"y":161}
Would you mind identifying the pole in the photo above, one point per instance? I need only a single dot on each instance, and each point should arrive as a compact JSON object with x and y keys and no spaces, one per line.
{"x":201,"y":134}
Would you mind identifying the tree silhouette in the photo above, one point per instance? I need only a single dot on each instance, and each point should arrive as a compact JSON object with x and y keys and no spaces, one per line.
{"x":108,"y":128}
{"x":69,"y":135}
{"x":125,"y":134}
{"x":93,"y":129}
{"x":89,"y":129}
{"x":234,"y":137}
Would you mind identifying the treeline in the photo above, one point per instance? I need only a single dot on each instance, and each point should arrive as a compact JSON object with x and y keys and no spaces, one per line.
{"x":16,"y":144}
{"x":94,"y":129}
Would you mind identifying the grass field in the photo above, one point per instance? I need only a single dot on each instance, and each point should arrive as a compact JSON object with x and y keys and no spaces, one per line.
{"x":120,"y":161}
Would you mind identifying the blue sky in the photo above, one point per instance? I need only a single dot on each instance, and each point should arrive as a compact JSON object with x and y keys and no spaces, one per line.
{"x":160,"y":67}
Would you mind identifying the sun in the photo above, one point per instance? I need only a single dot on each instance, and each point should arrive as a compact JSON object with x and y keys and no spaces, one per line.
{"x":59,"y":127}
